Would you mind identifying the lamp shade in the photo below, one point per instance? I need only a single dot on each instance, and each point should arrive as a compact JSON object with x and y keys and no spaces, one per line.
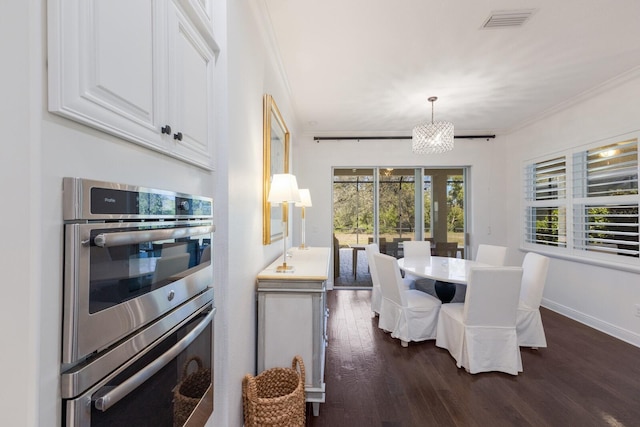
{"x":305,"y":198}
{"x":284,"y":188}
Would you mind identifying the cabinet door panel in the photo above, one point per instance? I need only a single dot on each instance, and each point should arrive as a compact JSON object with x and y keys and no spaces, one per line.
{"x":119,"y":57}
{"x":193,"y":68}
{"x":103,"y":68}
{"x":201,"y":13}
{"x":289,"y":331}
{"x":191,"y":89}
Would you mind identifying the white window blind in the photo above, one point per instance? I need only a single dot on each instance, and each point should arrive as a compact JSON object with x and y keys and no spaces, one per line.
{"x":547,"y":180}
{"x":605,"y":213}
{"x":607,"y":228}
{"x":611,"y":170}
{"x":584,"y":203}
{"x":545,"y":187}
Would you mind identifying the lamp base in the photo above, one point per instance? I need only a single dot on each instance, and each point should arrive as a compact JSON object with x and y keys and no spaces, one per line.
{"x":284,"y":268}
{"x":303,"y":247}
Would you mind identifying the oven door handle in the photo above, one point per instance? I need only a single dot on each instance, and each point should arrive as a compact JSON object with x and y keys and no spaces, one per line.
{"x":106,"y":240}
{"x":107,"y":396}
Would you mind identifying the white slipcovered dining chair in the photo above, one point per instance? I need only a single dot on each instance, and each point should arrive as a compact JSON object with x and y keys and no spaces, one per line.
{"x":529,"y":323}
{"x":480,"y":333}
{"x":376,"y":293}
{"x":491,"y":254}
{"x":416,"y":249}
{"x":409,"y":314}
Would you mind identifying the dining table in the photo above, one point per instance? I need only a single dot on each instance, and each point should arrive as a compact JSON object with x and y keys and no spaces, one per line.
{"x":447,"y":272}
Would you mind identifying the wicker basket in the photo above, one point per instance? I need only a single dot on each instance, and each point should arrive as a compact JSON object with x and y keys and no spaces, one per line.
{"x":275,"y":397}
{"x":189,"y":391}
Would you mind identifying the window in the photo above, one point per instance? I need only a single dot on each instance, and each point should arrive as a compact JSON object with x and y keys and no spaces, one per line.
{"x":606,"y":199}
{"x":546,"y":198}
{"x":601,"y":199}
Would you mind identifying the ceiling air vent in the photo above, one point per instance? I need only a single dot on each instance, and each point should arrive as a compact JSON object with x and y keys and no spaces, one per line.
{"x":508,"y":18}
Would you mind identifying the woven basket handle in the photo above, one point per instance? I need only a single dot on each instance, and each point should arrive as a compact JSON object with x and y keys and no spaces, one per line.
{"x":185,"y":368}
{"x":297,"y":360}
{"x":249,"y":387}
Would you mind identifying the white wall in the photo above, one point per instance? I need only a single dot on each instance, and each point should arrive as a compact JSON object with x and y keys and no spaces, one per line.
{"x":252,"y":72}
{"x":19,"y":175}
{"x":600,"y":297}
{"x":313,"y":162}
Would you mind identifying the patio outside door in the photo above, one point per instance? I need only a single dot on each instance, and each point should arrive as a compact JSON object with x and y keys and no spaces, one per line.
{"x":385,"y":205}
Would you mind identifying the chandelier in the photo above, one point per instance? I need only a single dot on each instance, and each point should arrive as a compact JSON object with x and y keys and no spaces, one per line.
{"x":432,"y":137}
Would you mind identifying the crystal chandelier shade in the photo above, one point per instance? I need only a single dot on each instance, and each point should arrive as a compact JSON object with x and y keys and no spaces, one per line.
{"x":432,"y":137}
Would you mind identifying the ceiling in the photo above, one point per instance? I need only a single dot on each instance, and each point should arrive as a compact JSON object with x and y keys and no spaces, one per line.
{"x":367,"y":67}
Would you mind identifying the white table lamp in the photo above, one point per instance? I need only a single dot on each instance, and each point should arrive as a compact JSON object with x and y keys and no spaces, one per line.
{"x":284,"y":189}
{"x":305,"y":202}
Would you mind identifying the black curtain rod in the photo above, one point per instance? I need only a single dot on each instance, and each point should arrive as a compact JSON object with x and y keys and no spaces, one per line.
{"x":362,"y":138}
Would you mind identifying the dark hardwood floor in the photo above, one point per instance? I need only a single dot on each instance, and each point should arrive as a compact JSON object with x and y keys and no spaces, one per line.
{"x":583,"y":378}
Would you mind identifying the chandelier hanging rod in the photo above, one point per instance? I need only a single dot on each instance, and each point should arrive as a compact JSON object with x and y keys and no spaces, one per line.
{"x":363,"y":138}
{"x":433,"y":99}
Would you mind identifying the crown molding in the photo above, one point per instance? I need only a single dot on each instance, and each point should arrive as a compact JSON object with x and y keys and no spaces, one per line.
{"x":604,"y":87}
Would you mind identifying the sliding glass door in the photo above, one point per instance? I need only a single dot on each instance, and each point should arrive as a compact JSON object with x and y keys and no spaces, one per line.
{"x":353,"y":206}
{"x":396,"y":206}
{"x":396,"y":209}
{"x":444,"y":205}
{"x":387,"y":205}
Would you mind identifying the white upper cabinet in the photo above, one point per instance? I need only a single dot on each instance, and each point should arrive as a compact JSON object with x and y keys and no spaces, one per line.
{"x":201,"y":12}
{"x":139,"y":69}
{"x":191,"y":65}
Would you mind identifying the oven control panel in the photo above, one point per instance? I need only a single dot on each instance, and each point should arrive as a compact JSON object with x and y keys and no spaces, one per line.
{"x":88,"y":199}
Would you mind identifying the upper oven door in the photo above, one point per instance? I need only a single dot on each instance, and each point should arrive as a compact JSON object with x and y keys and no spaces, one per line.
{"x":120,"y":276}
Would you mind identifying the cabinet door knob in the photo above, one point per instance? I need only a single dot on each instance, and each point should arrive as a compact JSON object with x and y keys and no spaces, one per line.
{"x":178,"y":136}
{"x":166,"y":129}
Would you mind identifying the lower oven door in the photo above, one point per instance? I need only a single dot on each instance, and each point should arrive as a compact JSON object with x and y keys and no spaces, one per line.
{"x":169,"y":383}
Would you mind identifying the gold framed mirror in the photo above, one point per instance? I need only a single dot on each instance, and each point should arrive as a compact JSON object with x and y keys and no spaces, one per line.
{"x":276,"y":160}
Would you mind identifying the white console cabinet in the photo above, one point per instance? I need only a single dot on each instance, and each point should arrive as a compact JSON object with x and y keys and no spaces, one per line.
{"x":139,"y":69}
{"x":292,"y":317}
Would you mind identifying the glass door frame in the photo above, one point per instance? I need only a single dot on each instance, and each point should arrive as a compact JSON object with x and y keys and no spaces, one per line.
{"x":419,"y":173}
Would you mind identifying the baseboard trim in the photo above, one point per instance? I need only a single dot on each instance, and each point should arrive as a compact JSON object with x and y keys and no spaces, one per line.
{"x":602,"y":326}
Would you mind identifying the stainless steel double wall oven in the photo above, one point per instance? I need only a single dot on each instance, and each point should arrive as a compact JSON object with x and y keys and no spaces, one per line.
{"x":137,"y":305}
